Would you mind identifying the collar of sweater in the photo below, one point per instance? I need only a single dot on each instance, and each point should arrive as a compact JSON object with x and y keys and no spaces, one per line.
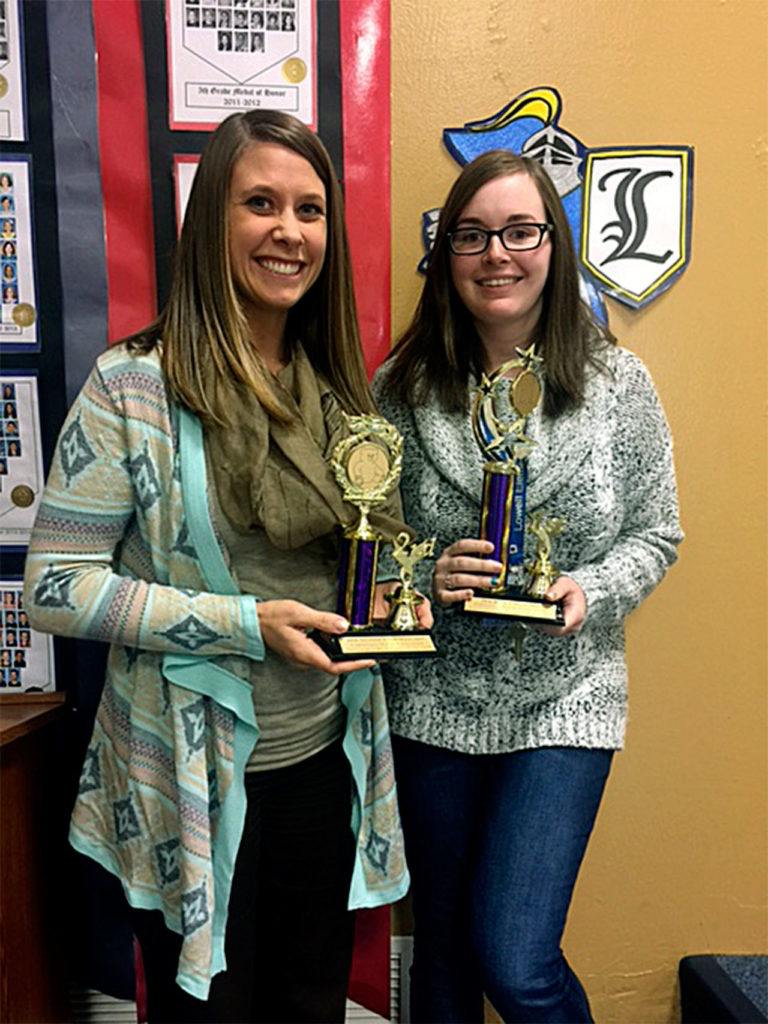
{"x":561,"y":445}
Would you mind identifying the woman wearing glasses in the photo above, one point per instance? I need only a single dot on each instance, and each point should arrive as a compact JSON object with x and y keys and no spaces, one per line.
{"x":501,"y":763}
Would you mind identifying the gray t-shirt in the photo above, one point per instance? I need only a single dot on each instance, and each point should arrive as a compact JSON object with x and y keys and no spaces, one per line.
{"x":298,"y":710}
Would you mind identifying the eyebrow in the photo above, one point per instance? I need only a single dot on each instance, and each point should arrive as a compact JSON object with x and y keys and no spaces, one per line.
{"x":514,"y":218}
{"x":267,"y":190}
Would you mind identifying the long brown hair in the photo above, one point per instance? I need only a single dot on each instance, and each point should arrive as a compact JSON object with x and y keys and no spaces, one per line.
{"x":440,"y":347}
{"x":203,"y":327}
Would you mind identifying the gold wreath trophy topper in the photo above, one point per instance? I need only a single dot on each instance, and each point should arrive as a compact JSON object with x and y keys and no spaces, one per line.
{"x":367,"y":466}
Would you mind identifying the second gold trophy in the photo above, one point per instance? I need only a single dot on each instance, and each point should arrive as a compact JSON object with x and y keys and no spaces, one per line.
{"x":500,"y":410}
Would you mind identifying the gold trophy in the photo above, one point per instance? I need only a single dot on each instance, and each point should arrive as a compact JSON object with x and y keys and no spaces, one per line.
{"x":367,"y":467}
{"x":500,"y":409}
{"x":405,"y":600}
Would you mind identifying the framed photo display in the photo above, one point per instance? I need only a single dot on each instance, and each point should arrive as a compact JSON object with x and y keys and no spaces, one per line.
{"x":21,"y":458}
{"x":26,"y":656}
{"x":13,"y":120}
{"x":230,"y":55}
{"x":18,"y":311}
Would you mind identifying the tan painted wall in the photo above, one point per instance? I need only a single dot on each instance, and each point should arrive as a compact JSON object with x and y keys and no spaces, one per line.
{"x":678,"y":861}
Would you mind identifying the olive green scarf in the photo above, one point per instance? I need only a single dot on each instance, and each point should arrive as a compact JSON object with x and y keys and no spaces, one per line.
{"x":278,"y":476}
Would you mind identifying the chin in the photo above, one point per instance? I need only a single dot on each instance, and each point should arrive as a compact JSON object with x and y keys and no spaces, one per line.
{"x":500,"y":315}
{"x":286,"y":301}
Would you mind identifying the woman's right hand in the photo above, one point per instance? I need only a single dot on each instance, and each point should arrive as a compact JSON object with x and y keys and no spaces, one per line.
{"x":463,"y":566}
{"x":284,"y":628}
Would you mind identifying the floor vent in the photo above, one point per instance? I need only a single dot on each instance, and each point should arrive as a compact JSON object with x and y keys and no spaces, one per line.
{"x":91,"y":1007}
{"x":359,"y":1015}
{"x":400,"y":978}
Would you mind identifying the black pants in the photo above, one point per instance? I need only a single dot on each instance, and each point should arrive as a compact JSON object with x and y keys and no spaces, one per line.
{"x":289,"y":933}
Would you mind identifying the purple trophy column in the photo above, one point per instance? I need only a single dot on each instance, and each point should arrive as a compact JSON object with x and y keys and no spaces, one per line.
{"x":357,"y":574}
{"x":497,"y":508}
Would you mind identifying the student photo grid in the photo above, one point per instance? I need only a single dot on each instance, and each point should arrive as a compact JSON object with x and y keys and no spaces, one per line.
{"x":16,"y":640}
{"x":242,"y":26}
{"x":10,"y":435}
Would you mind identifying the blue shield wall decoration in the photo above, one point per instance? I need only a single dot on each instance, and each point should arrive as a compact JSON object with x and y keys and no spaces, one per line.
{"x":629,"y":208}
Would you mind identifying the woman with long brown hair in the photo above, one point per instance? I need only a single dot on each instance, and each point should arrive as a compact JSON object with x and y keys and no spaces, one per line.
{"x":190,"y":520}
{"x":500,"y":762}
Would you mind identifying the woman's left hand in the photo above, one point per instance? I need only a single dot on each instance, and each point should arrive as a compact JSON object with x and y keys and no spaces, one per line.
{"x":574,"y":606}
{"x":382,"y":608}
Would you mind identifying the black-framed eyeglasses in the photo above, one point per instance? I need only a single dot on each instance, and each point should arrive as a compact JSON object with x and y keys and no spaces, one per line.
{"x":520,"y":237}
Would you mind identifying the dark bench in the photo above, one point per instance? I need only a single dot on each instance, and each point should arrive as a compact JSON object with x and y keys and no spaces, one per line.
{"x":724,"y":989}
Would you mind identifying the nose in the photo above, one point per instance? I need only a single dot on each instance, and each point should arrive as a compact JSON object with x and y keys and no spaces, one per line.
{"x":496,"y":253}
{"x":288,"y":228}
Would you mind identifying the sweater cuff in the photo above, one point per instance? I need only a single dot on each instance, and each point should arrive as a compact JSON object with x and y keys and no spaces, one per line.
{"x":598,"y":597}
{"x":251,"y":628}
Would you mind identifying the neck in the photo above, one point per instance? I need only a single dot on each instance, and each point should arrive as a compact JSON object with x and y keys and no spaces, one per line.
{"x":267,"y":330}
{"x":501,"y":342}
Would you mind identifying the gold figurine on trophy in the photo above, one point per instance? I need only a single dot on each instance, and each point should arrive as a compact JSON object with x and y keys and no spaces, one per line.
{"x":541,"y":570}
{"x":405,"y":599}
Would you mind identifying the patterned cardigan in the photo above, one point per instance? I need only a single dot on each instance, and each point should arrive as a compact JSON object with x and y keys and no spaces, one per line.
{"x":124,"y":551}
{"x":606,"y":468}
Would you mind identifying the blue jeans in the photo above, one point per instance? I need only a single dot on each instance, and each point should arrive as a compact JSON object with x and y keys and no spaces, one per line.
{"x":494,"y":843}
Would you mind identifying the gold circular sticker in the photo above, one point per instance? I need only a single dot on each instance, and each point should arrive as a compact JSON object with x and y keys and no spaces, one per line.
{"x":526,"y":392}
{"x":367,"y":466}
{"x":295,"y":70}
{"x":22,"y":496}
{"x":23,"y":314}
{"x":3,"y":86}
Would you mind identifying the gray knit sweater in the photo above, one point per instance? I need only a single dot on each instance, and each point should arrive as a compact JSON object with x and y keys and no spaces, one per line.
{"x":605,"y":467}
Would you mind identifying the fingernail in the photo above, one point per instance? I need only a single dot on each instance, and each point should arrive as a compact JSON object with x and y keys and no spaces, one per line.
{"x":494,"y":580}
{"x":342,"y":624}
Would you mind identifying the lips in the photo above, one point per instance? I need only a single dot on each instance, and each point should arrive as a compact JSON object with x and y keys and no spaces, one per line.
{"x":284,"y":268}
{"x":498,"y":282}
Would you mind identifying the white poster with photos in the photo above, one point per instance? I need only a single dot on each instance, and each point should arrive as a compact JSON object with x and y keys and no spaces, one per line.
{"x":26,"y":657}
{"x":18,"y":311}
{"x":235,"y":55}
{"x":21,"y":457}
{"x":184,"y":171}
{"x":13,"y":126}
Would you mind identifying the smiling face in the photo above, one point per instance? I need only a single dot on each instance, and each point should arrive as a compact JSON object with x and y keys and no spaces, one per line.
{"x":277,"y":229}
{"x":501,"y":289}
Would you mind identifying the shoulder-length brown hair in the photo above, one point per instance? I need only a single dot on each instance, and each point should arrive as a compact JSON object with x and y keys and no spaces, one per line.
{"x":203,"y":328}
{"x":440,"y":347}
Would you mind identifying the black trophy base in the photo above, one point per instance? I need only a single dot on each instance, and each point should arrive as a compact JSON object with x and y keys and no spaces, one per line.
{"x":515,"y":605}
{"x":375,"y":642}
